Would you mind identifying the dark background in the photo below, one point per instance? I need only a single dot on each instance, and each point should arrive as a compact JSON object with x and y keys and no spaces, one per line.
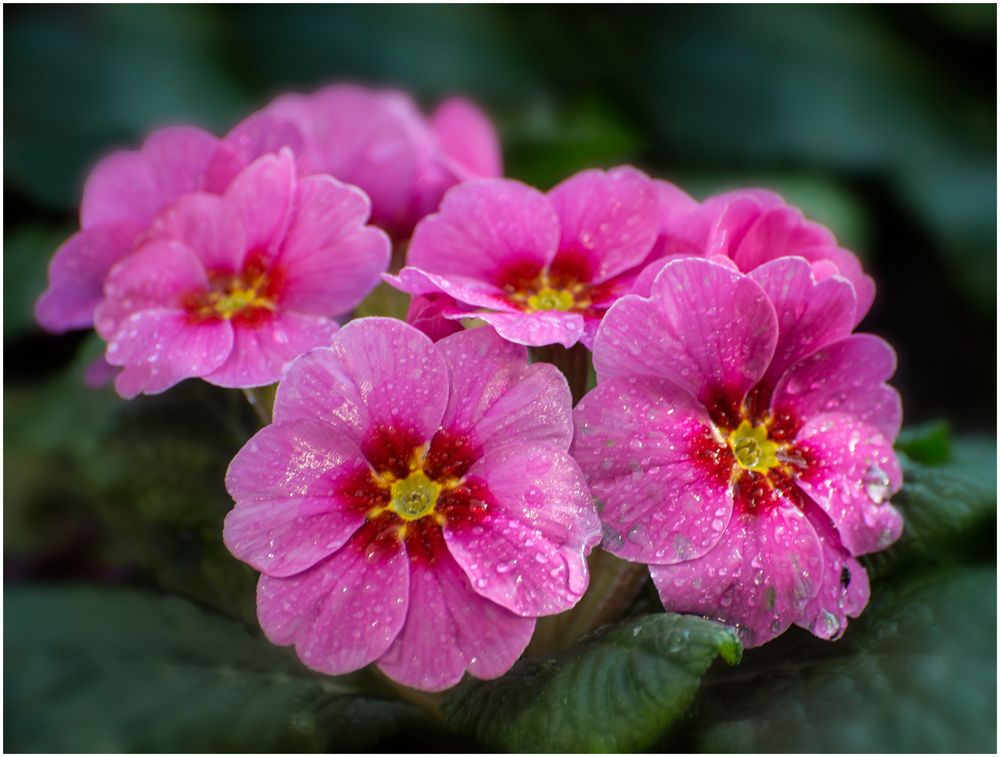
{"x":878,"y":121}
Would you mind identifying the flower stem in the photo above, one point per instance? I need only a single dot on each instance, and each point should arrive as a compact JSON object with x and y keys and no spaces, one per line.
{"x":261,"y":399}
{"x":428,"y":702}
{"x":574,"y":363}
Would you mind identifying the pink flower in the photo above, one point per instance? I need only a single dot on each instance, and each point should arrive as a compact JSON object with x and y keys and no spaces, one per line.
{"x":750,"y":227}
{"x":120,"y":198}
{"x":739,"y":441}
{"x":379,"y":141}
{"x":541,"y":269}
{"x":231,"y":288}
{"x":427,"y":313}
{"x":413,"y":504}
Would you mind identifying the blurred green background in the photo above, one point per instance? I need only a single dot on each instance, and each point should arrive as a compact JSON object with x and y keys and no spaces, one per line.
{"x":878,"y":121}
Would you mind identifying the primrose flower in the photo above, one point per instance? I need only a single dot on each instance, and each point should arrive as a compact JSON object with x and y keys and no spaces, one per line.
{"x":230,"y":288}
{"x":540,"y":269}
{"x":739,"y":442}
{"x":121,"y":197}
{"x":750,"y":227}
{"x":379,"y":141}
{"x":413,"y":504}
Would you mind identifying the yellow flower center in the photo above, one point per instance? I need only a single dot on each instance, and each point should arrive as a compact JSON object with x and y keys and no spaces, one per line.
{"x":415,"y":496}
{"x":548,"y":298}
{"x":752,"y":449}
{"x":236,"y":300}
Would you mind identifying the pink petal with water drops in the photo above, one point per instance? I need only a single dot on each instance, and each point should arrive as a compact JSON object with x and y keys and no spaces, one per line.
{"x":344,"y":612}
{"x":427,"y":314}
{"x":208,"y":226}
{"x":77,"y":273}
{"x":810,"y":313}
{"x":472,"y":293}
{"x":847,"y":376}
{"x":759,"y":577}
{"x":131,"y":186}
{"x":262,"y":351}
{"x":291,"y":507}
{"x":534,"y":329}
{"x":484,"y":228}
{"x":158,"y":275}
{"x":851,"y":472}
{"x":377,"y":372}
{"x":683,"y":227}
{"x":709,"y":329}
{"x":659,"y":478}
{"x":158,"y":348}
{"x":450,"y":629}
{"x":330,"y":259}
{"x":844,"y":589}
{"x":264,"y":195}
{"x":609,"y":219}
{"x":262,"y":133}
{"x":497,"y":396}
{"x":467,"y":137}
{"x":528,"y":551}
{"x":376,"y":140}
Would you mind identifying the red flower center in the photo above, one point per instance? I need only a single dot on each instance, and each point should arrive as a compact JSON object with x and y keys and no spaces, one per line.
{"x":249,"y":297}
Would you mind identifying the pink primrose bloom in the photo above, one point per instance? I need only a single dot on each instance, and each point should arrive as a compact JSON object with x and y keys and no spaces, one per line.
{"x":739,"y":442}
{"x":379,"y":141}
{"x":413,"y":504}
{"x":121,"y":197}
{"x":750,"y":227}
{"x":539,"y":268}
{"x":427,"y":313}
{"x":231,"y":288}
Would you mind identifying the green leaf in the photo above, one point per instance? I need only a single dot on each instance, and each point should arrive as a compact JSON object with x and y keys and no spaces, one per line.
{"x":929,"y":444}
{"x":917,"y":673}
{"x":949,"y":508}
{"x":618,"y":690}
{"x":117,"y":670}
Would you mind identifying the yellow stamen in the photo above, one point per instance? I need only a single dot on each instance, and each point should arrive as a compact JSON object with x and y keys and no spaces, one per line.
{"x":548,"y":298}
{"x":414,"y":496}
{"x":752,"y":449}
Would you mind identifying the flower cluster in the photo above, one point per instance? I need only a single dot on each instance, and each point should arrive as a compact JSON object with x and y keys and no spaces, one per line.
{"x":424,"y":492}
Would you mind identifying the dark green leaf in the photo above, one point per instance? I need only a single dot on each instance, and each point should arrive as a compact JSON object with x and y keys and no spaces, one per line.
{"x":618,"y":690}
{"x":25,"y":260}
{"x":929,"y":444}
{"x":116,"y":670}
{"x":917,"y":673}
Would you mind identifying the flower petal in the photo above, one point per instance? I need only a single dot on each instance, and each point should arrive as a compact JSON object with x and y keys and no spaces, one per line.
{"x":208,"y":226}
{"x":160,"y":274}
{"x":709,"y":329}
{"x":294,"y":505}
{"x":534,"y":329}
{"x":344,"y":612}
{"x":264,"y":194}
{"x":497,"y":397}
{"x":159,"y":348}
{"x":467,"y":137}
{"x":426,"y":313}
{"x":658,"y":476}
{"x":810,"y":313}
{"x":844,"y":588}
{"x":851,"y":472}
{"x":484,"y":228}
{"x":262,"y":351}
{"x":846,"y":376}
{"x":450,"y":629}
{"x":527,"y":551}
{"x":77,"y":273}
{"x":609,"y":219}
{"x":377,"y":372}
{"x":470,"y":292}
{"x":131,"y":186}
{"x":759,"y":577}
{"x":330,"y":260}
